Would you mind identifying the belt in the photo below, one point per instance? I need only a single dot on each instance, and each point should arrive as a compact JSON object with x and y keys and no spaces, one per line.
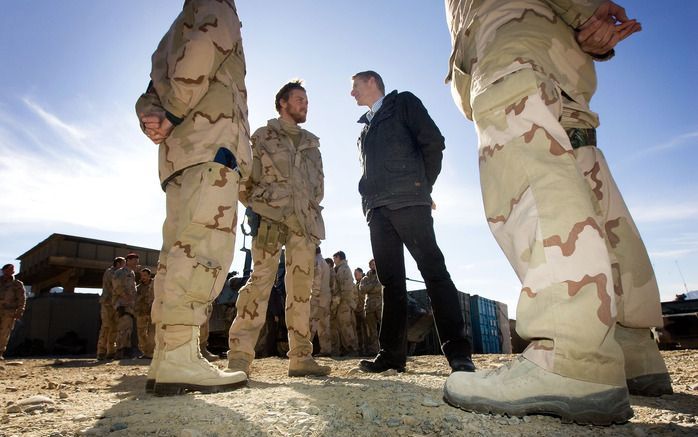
{"x":581,"y":137}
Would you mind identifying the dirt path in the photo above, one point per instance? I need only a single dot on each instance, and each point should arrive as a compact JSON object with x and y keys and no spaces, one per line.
{"x":84,"y":397}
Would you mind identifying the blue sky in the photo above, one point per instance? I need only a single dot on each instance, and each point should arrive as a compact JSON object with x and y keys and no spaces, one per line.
{"x":74,"y":161}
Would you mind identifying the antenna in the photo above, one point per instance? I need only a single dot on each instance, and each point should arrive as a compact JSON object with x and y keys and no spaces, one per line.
{"x":682,"y":278}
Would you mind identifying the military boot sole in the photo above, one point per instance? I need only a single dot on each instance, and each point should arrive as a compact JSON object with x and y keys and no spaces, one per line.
{"x":603,"y":408}
{"x":174,"y":388}
{"x":650,"y":385}
{"x":314,"y":372}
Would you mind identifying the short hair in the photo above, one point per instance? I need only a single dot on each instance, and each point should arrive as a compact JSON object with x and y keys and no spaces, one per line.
{"x":329,"y":261}
{"x":285,"y":92}
{"x":341,"y":255}
{"x":7,"y":266}
{"x":117,"y":260}
{"x":366,"y":75}
{"x":147,"y":270}
{"x":359,"y":269}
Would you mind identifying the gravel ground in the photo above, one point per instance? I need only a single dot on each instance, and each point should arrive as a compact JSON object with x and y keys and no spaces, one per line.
{"x":68,"y":397}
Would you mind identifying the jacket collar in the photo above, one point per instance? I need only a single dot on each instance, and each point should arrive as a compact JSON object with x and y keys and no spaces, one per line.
{"x":309,"y":139}
{"x":388,"y":101}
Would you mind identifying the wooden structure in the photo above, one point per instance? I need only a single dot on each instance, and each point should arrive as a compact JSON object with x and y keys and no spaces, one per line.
{"x":74,"y":262}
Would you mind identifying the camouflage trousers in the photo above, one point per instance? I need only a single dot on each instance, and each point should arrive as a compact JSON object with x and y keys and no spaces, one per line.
{"x":334,"y":327}
{"x":198,"y":238}
{"x":346,"y":325}
{"x":253,"y":299}
{"x":373,"y":320}
{"x":146,"y":334}
{"x":561,"y":221}
{"x":7,"y":323}
{"x":320,"y":325}
{"x":106,"y":341}
{"x":124,"y":330}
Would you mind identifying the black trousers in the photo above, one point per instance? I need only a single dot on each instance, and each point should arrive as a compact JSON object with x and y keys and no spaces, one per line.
{"x":413,"y":227}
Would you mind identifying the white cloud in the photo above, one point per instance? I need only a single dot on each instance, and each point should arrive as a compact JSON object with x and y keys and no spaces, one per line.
{"x":661,"y":212}
{"x":679,"y":140}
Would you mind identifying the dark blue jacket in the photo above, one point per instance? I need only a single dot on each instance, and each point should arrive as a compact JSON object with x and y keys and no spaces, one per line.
{"x":401,"y":152}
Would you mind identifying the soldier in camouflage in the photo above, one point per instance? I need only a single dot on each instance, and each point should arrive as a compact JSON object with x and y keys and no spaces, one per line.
{"x":196,"y":110}
{"x":346,"y":320}
{"x":285,"y":188}
{"x":12,"y":301}
{"x":124,"y":301}
{"x":359,"y":313}
{"x":106,"y":343}
{"x":143,"y":306}
{"x":334,"y":305}
{"x":524,"y":72}
{"x":320,"y":301}
{"x":372,"y":288}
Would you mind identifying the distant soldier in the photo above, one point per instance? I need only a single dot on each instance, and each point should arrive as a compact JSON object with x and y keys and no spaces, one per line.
{"x":373,"y":290}
{"x":346,"y":320}
{"x":106,"y":343}
{"x":359,"y":311}
{"x":124,"y":299}
{"x":144,"y":304}
{"x":12,"y":301}
{"x":334,"y":305}
{"x":320,"y":301}
{"x":285,"y":189}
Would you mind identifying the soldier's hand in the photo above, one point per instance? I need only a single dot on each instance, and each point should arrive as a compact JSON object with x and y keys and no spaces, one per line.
{"x":607,"y":27}
{"x":156,"y":126}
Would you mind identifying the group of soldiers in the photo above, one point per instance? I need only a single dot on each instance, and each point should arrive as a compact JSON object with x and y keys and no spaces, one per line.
{"x":124,"y":303}
{"x":345,"y":309}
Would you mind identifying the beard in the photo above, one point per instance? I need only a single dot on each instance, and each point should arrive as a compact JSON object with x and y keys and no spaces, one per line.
{"x":298,"y":117}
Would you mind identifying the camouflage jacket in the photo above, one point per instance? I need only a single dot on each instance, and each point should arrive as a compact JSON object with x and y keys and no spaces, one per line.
{"x":198,"y":77}
{"x":492,"y":38}
{"x":373,"y":290}
{"x":124,"y":288}
{"x":345,"y":284}
{"x":107,"y":286}
{"x":287,"y":180}
{"x":321,"y":294}
{"x":144,"y":298}
{"x":12,"y":299}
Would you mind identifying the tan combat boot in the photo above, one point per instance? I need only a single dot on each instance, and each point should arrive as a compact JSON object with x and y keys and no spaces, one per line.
{"x":307,"y":367}
{"x":155,"y":363}
{"x":645,"y":371}
{"x":182,"y":368}
{"x":240,"y":362}
{"x":520,"y":388}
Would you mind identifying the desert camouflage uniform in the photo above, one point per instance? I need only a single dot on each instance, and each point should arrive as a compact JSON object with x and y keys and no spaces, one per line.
{"x":107,"y":312}
{"x":124,"y":300}
{"x":285,"y":189}
{"x":346,"y":320}
{"x":144,"y":324}
{"x":374,"y":306}
{"x":550,"y":200}
{"x":360,"y":316}
{"x":320,"y":300}
{"x":334,"y":305}
{"x":198,"y":76}
{"x":12,"y":301}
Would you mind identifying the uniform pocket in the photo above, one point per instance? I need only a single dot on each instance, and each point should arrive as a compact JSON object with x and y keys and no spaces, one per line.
{"x":217,"y":205}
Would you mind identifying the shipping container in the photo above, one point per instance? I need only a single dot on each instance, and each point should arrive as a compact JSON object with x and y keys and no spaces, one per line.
{"x":486,"y":333}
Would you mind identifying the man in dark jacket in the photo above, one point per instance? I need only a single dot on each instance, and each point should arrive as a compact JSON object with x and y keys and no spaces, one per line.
{"x":401,"y":151}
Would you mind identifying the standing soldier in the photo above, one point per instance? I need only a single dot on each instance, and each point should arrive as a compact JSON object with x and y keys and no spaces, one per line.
{"x":107,"y":331}
{"x":524,"y":72}
{"x":320,"y":300}
{"x":124,"y":300}
{"x":285,"y":190}
{"x":346,"y":320}
{"x":12,"y":301}
{"x":334,"y":305}
{"x":144,"y":304}
{"x":196,"y":110}
{"x":373,"y":290}
{"x":359,"y":313}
